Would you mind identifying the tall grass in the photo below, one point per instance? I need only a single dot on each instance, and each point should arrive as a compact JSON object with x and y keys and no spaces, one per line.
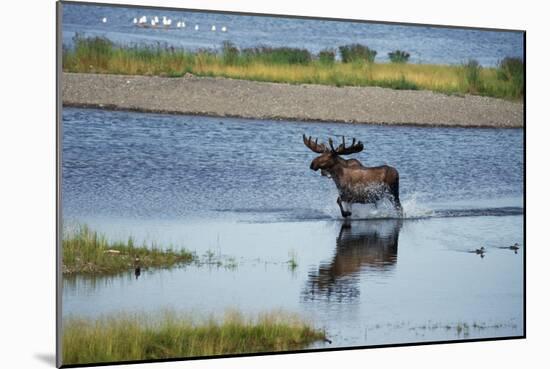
{"x":472,"y":71}
{"x":86,"y":251}
{"x":296,"y":66}
{"x":169,"y":335}
{"x":399,"y":56}
{"x":512,"y":70}
{"x":327,"y":57}
{"x":357,"y":52}
{"x":507,"y":80}
{"x":279,"y":55}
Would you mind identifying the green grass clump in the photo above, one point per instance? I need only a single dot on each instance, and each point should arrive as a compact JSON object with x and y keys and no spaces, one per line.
{"x":230,"y":53}
{"x":398,"y":84}
{"x":296,"y":66}
{"x":472,"y":72}
{"x":277,"y":55}
{"x":293,"y":260}
{"x":355,"y":52}
{"x":327,"y":57}
{"x":86,"y":251}
{"x":144,"y":337}
{"x":399,"y":56}
{"x":512,"y":70}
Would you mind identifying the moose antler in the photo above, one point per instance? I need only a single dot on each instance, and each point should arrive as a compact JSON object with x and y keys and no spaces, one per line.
{"x":343,"y":150}
{"x":314,"y":146}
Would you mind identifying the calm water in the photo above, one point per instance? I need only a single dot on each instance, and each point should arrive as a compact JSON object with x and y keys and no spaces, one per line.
{"x":425,"y":44}
{"x":243,"y":191}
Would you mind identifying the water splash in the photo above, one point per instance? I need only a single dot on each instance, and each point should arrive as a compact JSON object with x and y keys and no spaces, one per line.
{"x":413,"y":208}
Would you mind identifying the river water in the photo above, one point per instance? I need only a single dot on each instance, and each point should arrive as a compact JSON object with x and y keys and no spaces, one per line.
{"x":241,"y":191}
{"x":425,"y":44}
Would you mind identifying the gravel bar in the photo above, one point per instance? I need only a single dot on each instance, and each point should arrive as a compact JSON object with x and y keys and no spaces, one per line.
{"x":225,"y":97}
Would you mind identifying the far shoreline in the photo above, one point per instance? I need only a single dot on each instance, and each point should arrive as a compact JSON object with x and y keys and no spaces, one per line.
{"x":233,"y":98}
{"x":276,"y":119}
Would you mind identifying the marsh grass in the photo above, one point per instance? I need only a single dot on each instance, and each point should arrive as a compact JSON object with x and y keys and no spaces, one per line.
{"x":463,"y":328}
{"x":293,"y":260}
{"x":353,"y":52}
{"x":327,"y":57}
{"x":169,"y":335}
{"x":295,"y":66}
{"x":472,"y":71}
{"x":399,"y":56}
{"x":86,"y":251}
{"x":512,"y":70}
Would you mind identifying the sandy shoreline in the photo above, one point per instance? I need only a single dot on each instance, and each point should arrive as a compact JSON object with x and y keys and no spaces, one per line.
{"x":263,"y":100}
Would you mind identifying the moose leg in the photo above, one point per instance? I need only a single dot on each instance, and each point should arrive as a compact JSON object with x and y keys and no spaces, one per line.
{"x":395,"y":192}
{"x":345,"y":214}
{"x":396,"y":202}
{"x":398,"y":206}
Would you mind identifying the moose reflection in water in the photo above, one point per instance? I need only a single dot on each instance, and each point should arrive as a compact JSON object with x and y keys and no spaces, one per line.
{"x":361,"y":247}
{"x":355,"y":182}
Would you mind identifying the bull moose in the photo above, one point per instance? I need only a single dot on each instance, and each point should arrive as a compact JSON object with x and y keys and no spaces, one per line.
{"x":355,"y":182}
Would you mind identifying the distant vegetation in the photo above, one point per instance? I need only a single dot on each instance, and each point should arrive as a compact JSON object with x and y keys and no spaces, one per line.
{"x":86,"y":251}
{"x":356,"y":67}
{"x":357,"y":53}
{"x":399,"y":56}
{"x":144,"y":337}
{"x":327,"y":57}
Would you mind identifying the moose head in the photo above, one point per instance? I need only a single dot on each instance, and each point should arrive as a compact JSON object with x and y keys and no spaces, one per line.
{"x":329,"y":156}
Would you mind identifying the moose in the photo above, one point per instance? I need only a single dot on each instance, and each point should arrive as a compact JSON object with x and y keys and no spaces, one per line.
{"x":355,"y":182}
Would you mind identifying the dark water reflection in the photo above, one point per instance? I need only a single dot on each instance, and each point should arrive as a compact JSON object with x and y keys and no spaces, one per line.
{"x":359,"y":246}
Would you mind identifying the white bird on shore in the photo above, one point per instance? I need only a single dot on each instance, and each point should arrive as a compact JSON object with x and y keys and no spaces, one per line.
{"x":214,"y":28}
{"x":182,"y":24}
{"x":143,"y":20}
{"x":178,"y":25}
{"x":153,"y":23}
{"x":156,"y":19}
{"x":224,"y":28}
{"x":196,"y":27}
{"x":135,"y":20}
{"x":104,"y":20}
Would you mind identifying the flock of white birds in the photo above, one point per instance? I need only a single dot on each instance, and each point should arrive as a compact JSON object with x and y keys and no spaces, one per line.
{"x":165,"y":22}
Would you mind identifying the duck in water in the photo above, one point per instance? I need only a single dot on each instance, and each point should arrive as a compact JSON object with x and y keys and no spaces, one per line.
{"x":480,"y":251}
{"x":514,"y":247}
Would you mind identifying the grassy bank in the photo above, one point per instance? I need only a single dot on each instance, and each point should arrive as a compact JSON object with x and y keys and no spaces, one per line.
{"x":140,"y":337}
{"x":86,"y":251}
{"x":356,"y":67}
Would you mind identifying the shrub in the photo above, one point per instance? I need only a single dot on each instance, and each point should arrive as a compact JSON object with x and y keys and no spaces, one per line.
{"x":354,"y":52}
{"x":399,"y":56}
{"x":94,"y":51}
{"x":230,"y":53}
{"x":472,"y":71}
{"x":511,"y":70}
{"x":327,"y":56}
{"x":279,"y":55}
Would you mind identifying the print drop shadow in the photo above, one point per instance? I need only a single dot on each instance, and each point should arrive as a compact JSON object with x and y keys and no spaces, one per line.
{"x":361,"y":246}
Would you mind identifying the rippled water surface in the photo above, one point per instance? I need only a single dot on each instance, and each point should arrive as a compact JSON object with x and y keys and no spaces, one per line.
{"x":242,"y":192}
{"x":425,"y":44}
